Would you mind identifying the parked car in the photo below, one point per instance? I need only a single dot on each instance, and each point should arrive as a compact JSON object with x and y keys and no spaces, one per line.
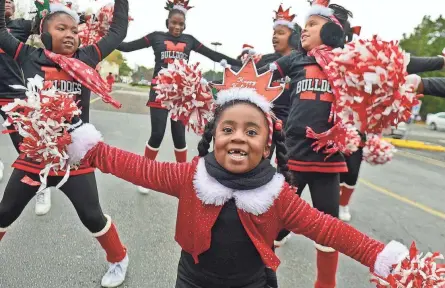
{"x":436,"y":121}
{"x":397,"y":132}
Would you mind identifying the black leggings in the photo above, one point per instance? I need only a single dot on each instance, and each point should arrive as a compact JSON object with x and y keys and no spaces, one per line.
{"x":325,"y":192}
{"x":354,"y":162}
{"x":81,"y":190}
{"x":15,"y":137}
{"x":159,"y":123}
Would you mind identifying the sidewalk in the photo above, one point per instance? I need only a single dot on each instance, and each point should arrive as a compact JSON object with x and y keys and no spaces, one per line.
{"x":417,"y":145}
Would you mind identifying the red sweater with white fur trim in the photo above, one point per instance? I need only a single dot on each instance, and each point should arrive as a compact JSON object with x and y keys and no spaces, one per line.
{"x":263,"y":211}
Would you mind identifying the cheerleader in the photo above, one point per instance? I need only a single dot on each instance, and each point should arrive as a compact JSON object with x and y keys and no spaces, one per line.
{"x":73,"y":75}
{"x":168,"y":46}
{"x":232,"y":201}
{"x":11,"y":74}
{"x":285,"y":39}
{"x":312,"y":107}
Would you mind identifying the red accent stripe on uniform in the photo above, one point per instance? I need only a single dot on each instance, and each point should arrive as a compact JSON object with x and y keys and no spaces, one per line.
{"x":17,"y":52}
{"x":200,"y":45}
{"x":98,"y":52}
{"x":146,"y":40}
{"x":152,"y":104}
{"x":2,"y":51}
{"x":279,"y":69}
{"x":5,"y":101}
{"x":28,"y":169}
{"x":322,"y":167}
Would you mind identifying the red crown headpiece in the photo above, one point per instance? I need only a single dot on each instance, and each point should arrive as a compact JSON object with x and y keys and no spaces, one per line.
{"x":247,"y":85}
{"x":247,"y":77}
{"x":181,"y":5}
{"x":283,"y":17}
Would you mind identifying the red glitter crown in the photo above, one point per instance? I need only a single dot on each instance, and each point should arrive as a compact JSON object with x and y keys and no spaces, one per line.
{"x":283,"y":15}
{"x":175,"y":4}
{"x":248,"y":77}
{"x":324,"y":3}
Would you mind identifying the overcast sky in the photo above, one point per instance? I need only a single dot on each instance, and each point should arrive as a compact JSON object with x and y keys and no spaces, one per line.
{"x":235,"y":22}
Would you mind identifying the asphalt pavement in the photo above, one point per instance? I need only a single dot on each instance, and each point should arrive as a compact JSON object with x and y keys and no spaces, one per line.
{"x":402,"y":200}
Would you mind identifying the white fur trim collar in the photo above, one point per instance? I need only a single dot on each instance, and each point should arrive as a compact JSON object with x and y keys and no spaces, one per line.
{"x":319,"y":10}
{"x":256,"y":201}
{"x":58,"y":7}
{"x":246,"y":94}
{"x":289,"y":24}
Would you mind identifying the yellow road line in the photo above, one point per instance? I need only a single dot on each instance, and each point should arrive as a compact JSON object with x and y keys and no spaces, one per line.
{"x":94,"y":100}
{"x":396,"y":196}
{"x":422,"y":158}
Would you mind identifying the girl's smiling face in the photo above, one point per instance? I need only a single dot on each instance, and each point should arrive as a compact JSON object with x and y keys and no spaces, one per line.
{"x":310,"y":37}
{"x":241,"y":138}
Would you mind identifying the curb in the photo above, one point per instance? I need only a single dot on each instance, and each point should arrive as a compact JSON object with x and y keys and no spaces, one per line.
{"x":418,"y":145}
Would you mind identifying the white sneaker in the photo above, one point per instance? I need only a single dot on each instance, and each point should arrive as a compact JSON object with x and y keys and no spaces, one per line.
{"x":282,"y":242}
{"x":43,"y":202}
{"x":115,"y":275}
{"x":143,"y":190}
{"x":344,"y":214}
{"x":2,"y":167}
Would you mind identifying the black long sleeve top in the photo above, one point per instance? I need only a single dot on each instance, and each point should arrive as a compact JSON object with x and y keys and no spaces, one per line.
{"x":10,"y":71}
{"x":34,"y":62}
{"x":167,"y":47}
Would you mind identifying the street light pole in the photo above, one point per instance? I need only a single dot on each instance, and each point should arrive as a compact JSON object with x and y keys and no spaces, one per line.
{"x":215,"y":44}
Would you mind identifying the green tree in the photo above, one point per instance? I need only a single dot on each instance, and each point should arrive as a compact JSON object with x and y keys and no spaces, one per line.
{"x":116,"y":57}
{"x":210,"y":75}
{"x":142,"y":73}
{"x":125,"y":70}
{"x":428,"y":39}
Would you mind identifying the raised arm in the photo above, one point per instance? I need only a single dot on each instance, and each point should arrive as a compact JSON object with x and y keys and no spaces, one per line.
{"x":433,"y":86}
{"x":425,"y":64}
{"x":115,"y":36}
{"x":8,"y":43}
{"x":87,"y":146}
{"x":139,"y":44}
{"x":299,"y":217}
{"x":213,"y":55}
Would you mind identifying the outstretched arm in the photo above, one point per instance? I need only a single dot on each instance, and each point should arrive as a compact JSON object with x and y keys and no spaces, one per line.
{"x":299,"y":217}
{"x":425,"y":64}
{"x":8,"y":43}
{"x":433,"y":86}
{"x":115,"y":35}
{"x":213,"y":55}
{"x":87,"y":146}
{"x":139,"y":44}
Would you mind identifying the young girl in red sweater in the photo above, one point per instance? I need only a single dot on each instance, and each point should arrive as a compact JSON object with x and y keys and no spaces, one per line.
{"x":232,"y":201}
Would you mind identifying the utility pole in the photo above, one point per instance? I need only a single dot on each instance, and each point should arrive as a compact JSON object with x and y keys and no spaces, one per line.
{"x":215,"y":44}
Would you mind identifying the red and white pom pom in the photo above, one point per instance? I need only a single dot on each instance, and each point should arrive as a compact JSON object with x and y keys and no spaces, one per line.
{"x":96,"y":26}
{"x":416,"y":271}
{"x":378,"y":151}
{"x":368,"y":79}
{"x":341,"y":138}
{"x":42,"y":120}
{"x":181,"y":89}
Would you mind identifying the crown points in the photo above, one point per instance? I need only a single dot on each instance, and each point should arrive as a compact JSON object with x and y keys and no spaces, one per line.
{"x":247,"y":77}
{"x":285,"y":15}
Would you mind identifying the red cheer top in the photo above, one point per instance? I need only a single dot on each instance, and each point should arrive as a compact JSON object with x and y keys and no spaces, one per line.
{"x":263,"y":211}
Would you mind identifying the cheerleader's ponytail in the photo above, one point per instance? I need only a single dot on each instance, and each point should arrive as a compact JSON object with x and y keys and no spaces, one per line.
{"x":281,"y":151}
{"x":207,"y":136}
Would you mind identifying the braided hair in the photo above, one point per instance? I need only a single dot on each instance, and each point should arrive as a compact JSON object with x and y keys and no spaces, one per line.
{"x":343,"y":15}
{"x":279,"y":136}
